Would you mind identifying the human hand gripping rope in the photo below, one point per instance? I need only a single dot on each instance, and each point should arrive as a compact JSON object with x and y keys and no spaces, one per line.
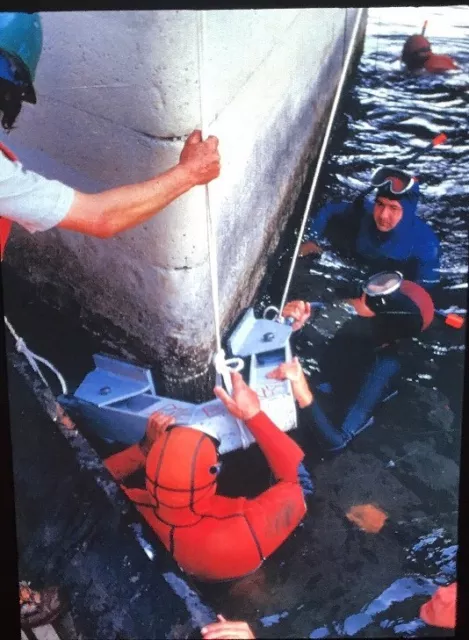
{"x":223,"y":366}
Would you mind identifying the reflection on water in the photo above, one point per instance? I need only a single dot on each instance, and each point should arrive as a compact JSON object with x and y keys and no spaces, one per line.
{"x":385,"y":611}
{"x":388,"y":114}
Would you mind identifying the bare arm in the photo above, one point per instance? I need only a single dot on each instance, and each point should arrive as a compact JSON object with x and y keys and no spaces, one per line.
{"x":227,"y":629}
{"x":293,"y":371}
{"x":105,"y":214}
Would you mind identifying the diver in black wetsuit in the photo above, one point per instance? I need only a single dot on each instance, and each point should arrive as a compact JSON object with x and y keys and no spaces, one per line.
{"x":361,"y":364}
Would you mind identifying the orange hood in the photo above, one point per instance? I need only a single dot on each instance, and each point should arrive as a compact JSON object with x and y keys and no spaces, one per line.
{"x":181,"y":475}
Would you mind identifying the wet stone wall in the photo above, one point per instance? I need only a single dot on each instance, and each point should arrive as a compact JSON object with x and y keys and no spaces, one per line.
{"x":115,"y":104}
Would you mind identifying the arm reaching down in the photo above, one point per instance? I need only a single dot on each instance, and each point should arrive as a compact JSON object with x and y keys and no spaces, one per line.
{"x":309,"y":248}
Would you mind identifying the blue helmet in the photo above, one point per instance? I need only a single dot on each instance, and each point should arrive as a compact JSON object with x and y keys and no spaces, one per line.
{"x":20,"y":50}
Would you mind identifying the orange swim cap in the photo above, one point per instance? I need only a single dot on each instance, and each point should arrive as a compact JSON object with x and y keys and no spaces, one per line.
{"x":181,"y":468}
{"x":416,"y":50}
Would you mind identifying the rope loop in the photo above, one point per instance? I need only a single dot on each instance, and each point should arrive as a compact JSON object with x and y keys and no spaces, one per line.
{"x":224,"y":366}
{"x":276,"y":315}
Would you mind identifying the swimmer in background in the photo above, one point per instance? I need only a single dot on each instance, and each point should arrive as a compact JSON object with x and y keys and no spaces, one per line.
{"x":418,"y":57}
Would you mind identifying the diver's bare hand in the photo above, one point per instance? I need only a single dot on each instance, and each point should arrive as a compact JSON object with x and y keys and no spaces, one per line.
{"x":157,"y":424}
{"x":200,"y":158}
{"x":307,"y":248}
{"x":293,"y":371}
{"x":244,"y":402}
{"x":227,"y":630}
{"x":299,"y":310}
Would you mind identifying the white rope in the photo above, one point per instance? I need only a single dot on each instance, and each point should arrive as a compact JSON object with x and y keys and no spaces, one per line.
{"x":33,"y":358}
{"x":321,"y":156}
{"x":223,"y":366}
{"x":212,"y":252}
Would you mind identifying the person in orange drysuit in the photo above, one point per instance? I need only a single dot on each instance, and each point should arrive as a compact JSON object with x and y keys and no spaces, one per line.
{"x":213,"y":537}
{"x":417,"y":55}
{"x":440,"y":610}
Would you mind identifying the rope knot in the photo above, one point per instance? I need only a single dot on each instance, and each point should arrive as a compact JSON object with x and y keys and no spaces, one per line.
{"x":224,"y":366}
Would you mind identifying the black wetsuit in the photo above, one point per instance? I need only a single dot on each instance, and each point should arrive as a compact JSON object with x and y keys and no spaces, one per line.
{"x":357,"y":375}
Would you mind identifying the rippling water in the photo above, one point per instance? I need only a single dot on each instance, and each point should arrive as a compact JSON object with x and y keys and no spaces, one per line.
{"x":390,"y":114}
{"x":387,"y":114}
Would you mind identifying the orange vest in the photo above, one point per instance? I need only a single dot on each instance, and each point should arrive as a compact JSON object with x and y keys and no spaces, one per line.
{"x":5,"y":223}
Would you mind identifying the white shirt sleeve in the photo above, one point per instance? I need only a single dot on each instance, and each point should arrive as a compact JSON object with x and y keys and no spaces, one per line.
{"x":34,"y":202}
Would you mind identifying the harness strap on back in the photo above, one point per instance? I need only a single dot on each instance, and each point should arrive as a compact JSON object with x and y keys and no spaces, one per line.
{"x":5,"y":223}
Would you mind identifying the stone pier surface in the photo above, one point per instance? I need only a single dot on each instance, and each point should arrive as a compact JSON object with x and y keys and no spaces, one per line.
{"x":118,"y":93}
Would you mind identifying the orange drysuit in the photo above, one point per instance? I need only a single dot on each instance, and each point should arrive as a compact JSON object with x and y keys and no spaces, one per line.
{"x":439,"y":63}
{"x":210,"y":536}
{"x":417,"y":55}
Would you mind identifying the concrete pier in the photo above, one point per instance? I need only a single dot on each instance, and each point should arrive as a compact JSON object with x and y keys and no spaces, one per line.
{"x":118,"y":93}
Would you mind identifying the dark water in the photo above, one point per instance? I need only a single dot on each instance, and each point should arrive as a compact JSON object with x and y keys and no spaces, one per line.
{"x":388,"y":114}
{"x":329,"y":579}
